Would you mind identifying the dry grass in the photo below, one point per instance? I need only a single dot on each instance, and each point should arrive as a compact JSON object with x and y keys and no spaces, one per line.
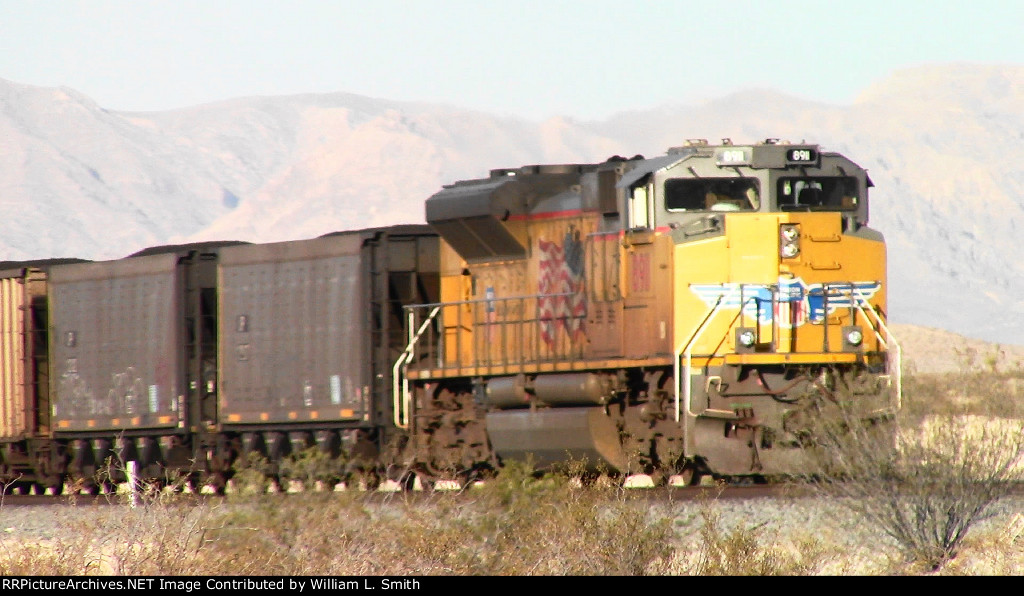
{"x":517,"y":525}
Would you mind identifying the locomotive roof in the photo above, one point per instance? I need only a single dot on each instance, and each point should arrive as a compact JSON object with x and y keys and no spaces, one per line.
{"x":650,"y":165}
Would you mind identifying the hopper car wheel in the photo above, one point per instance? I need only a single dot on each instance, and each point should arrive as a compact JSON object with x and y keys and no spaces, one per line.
{"x":18,"y":487}
{"x":106,"y":487}
{"x":275,"y":484}
{"x":216,"y":482}
{"x":84,"y":485}
{"x":191,"y":483}
{"x":8,"y":478}
{"x":364,"y":479}
{"x":50,"y":486}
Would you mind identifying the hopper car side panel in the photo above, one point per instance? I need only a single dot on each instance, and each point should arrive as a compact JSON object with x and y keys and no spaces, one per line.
{"x":117,"y":355}
{"x":288,"y":318}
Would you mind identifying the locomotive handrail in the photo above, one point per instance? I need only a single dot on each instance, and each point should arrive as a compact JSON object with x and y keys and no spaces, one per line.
{"x":699,"y":330}
{"x":401,"y":394}
{"x":493,"y":301}
{"x":481,"y":300}
{"x":860,"y":303}
{"x":400,"y":382}
{"x":888,"y":340}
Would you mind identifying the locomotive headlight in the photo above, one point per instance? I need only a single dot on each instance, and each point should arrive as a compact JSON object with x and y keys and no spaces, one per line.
{"x":745,"y":340}
{"x":854,"y":337}
{"x":789,"y":240}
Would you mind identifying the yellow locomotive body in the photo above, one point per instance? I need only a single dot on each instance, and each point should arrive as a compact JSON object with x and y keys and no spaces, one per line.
{"x":684,"y":313}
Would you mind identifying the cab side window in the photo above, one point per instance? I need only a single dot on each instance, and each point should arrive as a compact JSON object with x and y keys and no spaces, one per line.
{"x":712,"y":194}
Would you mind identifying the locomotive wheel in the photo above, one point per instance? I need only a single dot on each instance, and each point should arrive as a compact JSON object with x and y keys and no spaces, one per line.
{"x":452,"y":443}
{"x":407,"y":479}
{"x":690,"y":473}
{"x":687,"y":476}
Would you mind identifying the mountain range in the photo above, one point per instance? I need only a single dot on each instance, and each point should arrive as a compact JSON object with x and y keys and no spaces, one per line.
{"x":943,"y":145}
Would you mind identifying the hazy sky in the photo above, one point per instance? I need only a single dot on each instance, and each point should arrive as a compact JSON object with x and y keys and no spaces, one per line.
{"x":579,"y":58}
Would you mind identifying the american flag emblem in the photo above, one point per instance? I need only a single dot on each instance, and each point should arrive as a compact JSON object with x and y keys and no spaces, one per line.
{"x":790,"y":308}
{"x":791,"y":302}
{"x":563,"y":301}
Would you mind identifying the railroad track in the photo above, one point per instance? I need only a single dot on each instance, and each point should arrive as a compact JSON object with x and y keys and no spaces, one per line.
{"x":662,"y":493}
{"x":720,"y":491}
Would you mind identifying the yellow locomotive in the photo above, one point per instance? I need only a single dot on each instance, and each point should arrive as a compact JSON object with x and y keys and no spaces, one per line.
{"x":683,"y":314}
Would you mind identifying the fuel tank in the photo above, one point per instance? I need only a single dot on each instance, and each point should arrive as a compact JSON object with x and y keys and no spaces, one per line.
{"x":557,"y":436}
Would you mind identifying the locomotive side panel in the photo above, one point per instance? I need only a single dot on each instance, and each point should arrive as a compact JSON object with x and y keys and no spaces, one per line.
{"x":647,"y":307}
{"x":604,"y":292}
{"x":534,"y":309}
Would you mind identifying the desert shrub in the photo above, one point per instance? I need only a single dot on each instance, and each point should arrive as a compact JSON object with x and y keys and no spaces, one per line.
{"x":159,"y":536}
{"x":754,"y":550}
{"x":252,"y":474}
{"x":548,"y":525}
{"x":923,"y":479}
{"x":312,"y":467}
{"x":519,"y":523}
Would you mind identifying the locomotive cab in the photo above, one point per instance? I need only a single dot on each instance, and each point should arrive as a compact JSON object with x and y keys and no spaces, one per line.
{"x":695,"y":181}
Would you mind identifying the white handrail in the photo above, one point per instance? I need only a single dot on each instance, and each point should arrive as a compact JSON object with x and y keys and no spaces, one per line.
{"x":685,"y":349}
{"x":689,"y":343}
{"x":400,"y":383}
{"x":890,"y":343}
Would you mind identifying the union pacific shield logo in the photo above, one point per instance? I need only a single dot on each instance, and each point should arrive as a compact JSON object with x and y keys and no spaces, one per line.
{"x":794,"y":303}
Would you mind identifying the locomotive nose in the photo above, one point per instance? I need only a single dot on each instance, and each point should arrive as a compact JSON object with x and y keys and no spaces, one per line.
{"x":802,"y":284}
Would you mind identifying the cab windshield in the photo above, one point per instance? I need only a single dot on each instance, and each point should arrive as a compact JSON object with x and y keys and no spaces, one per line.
{"x":821,"y":193}
{"x":712,"y":194}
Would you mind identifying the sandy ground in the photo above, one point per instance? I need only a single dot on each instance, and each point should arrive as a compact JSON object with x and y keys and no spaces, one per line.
{"x":929,"y":350}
